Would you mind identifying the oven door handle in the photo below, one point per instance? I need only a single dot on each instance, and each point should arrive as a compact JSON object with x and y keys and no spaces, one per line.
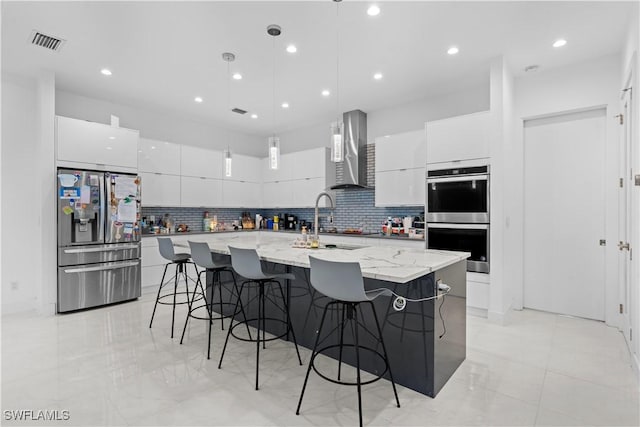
{"x":458,"y":226}
{"x":458,"y":178}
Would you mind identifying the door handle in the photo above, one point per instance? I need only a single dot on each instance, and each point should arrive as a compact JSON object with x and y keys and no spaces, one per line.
{"x":101,"y":249}
{"x":102,"y":268}
{"x":622,"y":245}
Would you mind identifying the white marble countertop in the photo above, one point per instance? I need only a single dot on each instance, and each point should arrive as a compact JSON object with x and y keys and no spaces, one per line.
{"x":399,"y":265}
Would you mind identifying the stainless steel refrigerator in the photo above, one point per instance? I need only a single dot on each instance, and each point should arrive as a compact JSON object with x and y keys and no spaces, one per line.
{"x":99,"y":251}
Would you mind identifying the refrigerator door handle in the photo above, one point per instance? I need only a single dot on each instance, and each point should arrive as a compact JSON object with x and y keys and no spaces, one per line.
{"x":90,"y":250}
{"x":102,"y":268}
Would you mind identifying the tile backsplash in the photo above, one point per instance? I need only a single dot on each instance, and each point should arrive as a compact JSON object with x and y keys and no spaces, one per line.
{"x":355,"y":208}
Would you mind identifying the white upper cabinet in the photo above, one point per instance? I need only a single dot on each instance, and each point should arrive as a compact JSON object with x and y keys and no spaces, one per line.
{"x":404,"y":187}
{"x":240,"y":194}
{"x":160,"y":190}
{"x":459,"y":138}
{"x":406,"y":150}
{"x":245,"y":168}
{"x":309,"y":163}
{"x":277,"y":194}
{"x":159,"y":156}
{"x":200,"y":192}
{"x":283,"y":173}
{"x":96,"y":144}
{"x":201,"y":162}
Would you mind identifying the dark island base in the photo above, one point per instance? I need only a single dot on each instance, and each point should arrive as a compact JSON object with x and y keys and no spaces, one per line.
{"x":426,"y":342}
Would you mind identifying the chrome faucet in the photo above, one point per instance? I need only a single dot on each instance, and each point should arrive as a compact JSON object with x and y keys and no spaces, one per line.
{"x":315,"y":216}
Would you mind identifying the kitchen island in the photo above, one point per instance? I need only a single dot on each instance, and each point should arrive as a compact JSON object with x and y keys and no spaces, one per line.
{"x":426,"y":341}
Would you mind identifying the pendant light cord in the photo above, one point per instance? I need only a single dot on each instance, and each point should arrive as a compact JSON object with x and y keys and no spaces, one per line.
{"x":228,"y":96}
{"x":337,"y":63}
{"x":273,"y":106}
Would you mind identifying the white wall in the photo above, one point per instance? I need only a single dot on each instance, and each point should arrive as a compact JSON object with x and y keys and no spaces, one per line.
{"x":575,"y":87}
{"x":395,"y":119}
{"x":158,"y":125}
{"x":20,"y":194}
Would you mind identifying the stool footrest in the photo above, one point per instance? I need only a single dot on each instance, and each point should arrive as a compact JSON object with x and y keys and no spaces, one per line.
{"x":243,"y":322}
{"x":379,"y":376}
{"x":161,"y":297}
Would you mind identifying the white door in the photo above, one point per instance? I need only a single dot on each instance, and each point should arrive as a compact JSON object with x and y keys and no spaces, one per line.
{"x":624,"y":212}
{"x":564,"y":267}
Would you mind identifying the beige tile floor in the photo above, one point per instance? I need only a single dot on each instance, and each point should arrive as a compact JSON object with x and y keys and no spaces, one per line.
{"x":106,"y":367}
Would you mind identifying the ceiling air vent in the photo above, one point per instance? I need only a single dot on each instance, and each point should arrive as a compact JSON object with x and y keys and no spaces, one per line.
{"x":239,"y":111}
{"x":48,"y":42}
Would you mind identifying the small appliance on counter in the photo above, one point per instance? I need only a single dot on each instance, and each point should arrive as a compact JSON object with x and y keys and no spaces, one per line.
{"x":290,"y":222}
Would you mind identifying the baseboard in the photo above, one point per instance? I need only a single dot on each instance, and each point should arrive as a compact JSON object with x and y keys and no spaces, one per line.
{"x":478,"y":312}
{"x":500,"y":318}
{"x":19,"y":307}
{"x":635,"y":363}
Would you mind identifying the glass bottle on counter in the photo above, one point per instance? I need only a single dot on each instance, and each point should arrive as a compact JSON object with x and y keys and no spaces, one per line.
{"x":206,"y":222}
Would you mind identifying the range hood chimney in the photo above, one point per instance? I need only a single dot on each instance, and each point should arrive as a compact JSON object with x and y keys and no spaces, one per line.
{"x":354,"y":166}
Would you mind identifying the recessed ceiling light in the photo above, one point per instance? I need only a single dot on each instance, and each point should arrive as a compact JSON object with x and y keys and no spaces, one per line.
{"x":559,"y":43}
{"x":326,"y":93}
{"x":377,"y":76}
{"x":153,"y":147}
{"x":292,"y":48}
{"x":112,"y":137}
{"x":254,"y":116}
{"x":198,"y":99}
{"x":109,"y":148}
{"x":237,"y":76}
{"x":373,"y":10}
{"x":106,"y":71}
{"x":453,"y":50}
{"x":285,"y":105}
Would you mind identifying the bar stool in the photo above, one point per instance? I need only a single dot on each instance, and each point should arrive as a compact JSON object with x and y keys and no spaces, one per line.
{"x":202,"y":257}
{"x":180,"y":260}
{"x":343,"y":283}
{"x":246,"y":263}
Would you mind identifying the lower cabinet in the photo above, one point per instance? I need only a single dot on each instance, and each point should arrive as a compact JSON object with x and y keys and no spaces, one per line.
{"x":402,"y":187}
{"x":200,"y":192}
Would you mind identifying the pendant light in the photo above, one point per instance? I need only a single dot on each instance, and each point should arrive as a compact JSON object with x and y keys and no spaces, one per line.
{"x":337,"y":138}
{"x":228,"y":57}
{"x":274,"y":142}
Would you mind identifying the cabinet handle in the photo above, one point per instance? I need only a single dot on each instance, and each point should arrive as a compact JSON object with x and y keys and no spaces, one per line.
{"x":203,"y":177}
{"x":402,"y":170}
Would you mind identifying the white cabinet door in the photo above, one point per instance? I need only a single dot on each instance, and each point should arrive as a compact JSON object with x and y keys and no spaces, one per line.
{"x":238,"y":194}
{"x":305,"y":192}
{"x":401,"y":151}
{"x":200,"y":162}
{"x":160,"y":190}
{"x":404,"y":187}
{"x":309,"y":163}
{"x":245,"y":168}
{"x":459,"y":138}
{"x":159,"y":156}
{"x":200,"y":192}
{"x":95,"y":143}
{"x":283,"y":173}
{"x":277,"y":194}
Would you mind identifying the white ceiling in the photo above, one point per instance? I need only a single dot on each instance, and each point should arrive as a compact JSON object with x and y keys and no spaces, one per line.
{"x":163,"y":54}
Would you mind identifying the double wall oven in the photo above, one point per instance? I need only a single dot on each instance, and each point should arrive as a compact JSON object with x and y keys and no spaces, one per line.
{"x":458,"y":211}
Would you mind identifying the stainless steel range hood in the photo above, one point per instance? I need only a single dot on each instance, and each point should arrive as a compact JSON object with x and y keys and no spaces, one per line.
{"x":354,"y":166}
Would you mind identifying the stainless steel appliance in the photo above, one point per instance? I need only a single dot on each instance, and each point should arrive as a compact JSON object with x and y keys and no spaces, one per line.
{"x":457,"y":214}
{"x":472,"y":238}
{"x":458,"y":195}
{"x":99,"y":251}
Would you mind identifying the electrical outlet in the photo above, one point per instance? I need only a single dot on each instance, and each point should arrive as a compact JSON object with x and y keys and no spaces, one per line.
{"x":14,"y":286}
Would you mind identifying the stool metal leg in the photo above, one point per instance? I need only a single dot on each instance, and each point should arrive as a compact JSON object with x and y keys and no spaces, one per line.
{"x":386,"y":356}
{"x":313,"y":354}
{"x":260,"y":317}
{"x":158,"y":297}
{"x":235,"y":311}
{"x":354,"y":324}
{"x":175,"y":290}
{"x":193,"y":297}
{"x":341,"y":342}
{"x":289,"y":324}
